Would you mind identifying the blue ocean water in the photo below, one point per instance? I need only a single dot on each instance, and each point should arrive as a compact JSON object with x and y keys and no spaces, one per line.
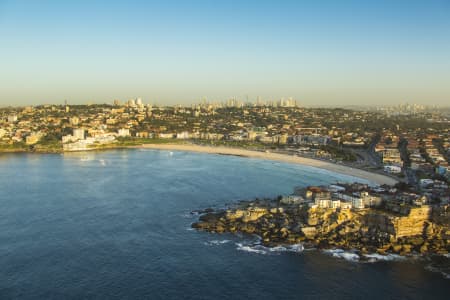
{"x":116,"y":225}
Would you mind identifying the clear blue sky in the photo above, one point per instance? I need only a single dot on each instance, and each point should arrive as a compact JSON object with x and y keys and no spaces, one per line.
{"x":319,"y":52}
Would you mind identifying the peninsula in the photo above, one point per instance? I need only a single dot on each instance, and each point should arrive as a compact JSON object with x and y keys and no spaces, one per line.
{"x":352,"y":217}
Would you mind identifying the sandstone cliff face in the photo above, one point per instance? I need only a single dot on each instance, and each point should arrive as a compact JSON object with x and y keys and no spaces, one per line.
{"x":365,"y":230}
{"x":400,"y":226}
{"x":414,"y":223}
{"x":248,"y":215}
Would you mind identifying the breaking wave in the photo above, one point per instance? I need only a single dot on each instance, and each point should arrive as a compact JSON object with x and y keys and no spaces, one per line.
{"x":289,"y":248}
{"x":260,"y":249}
{"x":216,"y":242}
{"x":252,"y":249}
{"x":339,"y":253}
{"x":364,"y":258}
{"x":375,"y":257}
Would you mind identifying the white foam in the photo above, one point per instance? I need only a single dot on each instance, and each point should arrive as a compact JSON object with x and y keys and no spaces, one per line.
{"x":252,"y":249}
{"x":278,"y":249}
{"x":216,"y":242}
{"x":371,"y":258}
{"x":374,"y":257}
{"x":339,"y":253}
{"x":296,"y":248}
{"x":288,"y":248}
{"x":260,"y":249}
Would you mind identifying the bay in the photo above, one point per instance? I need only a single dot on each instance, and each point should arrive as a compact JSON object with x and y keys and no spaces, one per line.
{"x":116,"y":224}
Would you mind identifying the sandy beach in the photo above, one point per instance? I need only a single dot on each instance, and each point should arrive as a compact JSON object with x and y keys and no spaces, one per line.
{"x":372,"y":177}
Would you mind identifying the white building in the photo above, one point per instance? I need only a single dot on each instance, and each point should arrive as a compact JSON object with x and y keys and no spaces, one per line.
{"x":392,"y":169}
{"x":166,"y":135}
{"x":323,"y":203}
{"x":183,"y":135}
{"x":88,"y":143}
{"x":357,"y":203}
{"x":335,"y":203}
{"x":78,"y":133}
{"x":124,"y":132}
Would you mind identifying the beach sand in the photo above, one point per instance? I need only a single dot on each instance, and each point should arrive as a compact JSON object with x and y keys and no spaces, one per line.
{"x":372,"y":177}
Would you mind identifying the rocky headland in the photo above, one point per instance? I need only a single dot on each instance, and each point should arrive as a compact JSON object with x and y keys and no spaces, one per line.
{"x":420,"y":230}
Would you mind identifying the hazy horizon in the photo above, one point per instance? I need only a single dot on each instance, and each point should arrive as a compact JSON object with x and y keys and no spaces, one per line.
{"x":332,"y":53}
{"x":188,"y":104}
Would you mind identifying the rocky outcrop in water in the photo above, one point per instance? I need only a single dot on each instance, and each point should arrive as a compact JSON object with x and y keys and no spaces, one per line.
{"x":422,"y":230}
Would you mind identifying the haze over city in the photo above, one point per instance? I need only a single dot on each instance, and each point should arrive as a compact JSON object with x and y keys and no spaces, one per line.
{"x":329,"y":53}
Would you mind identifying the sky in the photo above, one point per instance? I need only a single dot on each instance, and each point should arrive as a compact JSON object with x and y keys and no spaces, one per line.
{"x":329,"y":53}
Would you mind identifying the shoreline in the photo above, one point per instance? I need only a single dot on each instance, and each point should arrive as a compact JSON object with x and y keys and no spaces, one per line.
{"x":341,"y":169}
{"x":373,"y":177}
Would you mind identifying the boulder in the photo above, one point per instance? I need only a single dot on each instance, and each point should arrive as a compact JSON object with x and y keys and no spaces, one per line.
{"x":309,"y":232}
{"x":406,"y":248}
{"x":423,"y":249}
{"x":396,"y":248}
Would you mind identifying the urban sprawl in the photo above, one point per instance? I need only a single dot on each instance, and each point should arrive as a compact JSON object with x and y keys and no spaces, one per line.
{"x":408,"y":142}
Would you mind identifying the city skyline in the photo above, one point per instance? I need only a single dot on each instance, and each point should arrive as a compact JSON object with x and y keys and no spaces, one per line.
{"x":287,"y":102}
{"x":327,"y":53}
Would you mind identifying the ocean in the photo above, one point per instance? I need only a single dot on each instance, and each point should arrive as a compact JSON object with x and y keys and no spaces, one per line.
{"x":116,"y":225}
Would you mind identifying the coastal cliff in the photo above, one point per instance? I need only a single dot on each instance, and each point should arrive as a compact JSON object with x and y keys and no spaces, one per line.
{"x":420,"y":229}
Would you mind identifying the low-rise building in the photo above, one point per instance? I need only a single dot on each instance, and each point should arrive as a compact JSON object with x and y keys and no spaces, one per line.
{"x":124,"y":132}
